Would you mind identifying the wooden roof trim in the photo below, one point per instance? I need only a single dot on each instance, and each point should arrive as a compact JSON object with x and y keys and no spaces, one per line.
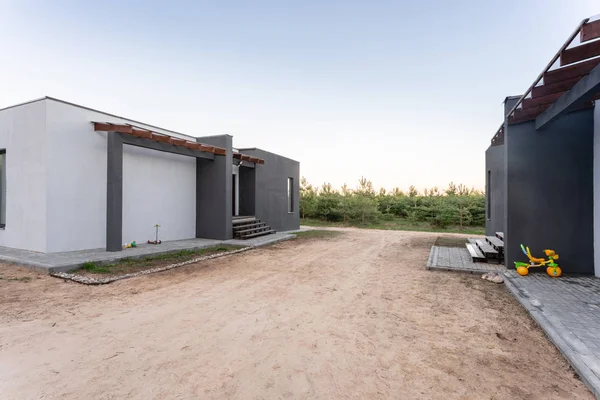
{"x":590,"y":31}
{"x":580,"y":53}
{"x":572,"y":71}
{"x":541,"y":100}
{"x":562,"y":86}
{"x":532,"y":114}
{"x":157,"y":137}
{"x":245,"y":157}
{"x":548,"y":66}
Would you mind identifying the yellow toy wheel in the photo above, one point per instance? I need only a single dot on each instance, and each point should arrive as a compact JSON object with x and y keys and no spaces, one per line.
{"x":554,"y":272}
{"x":522,"y":271}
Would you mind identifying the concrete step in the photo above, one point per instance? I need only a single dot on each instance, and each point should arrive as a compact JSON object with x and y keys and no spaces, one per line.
{"x":252,"y":230}
{"x":254,"y":224}
{"x":253,"y":235}
{"x":241,"y":221}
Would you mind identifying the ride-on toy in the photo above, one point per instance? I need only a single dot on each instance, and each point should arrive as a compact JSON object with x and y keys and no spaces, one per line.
{"x":552,"y":267}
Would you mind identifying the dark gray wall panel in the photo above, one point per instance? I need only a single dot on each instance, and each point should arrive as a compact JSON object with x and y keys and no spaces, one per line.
{"x":247,"y":195}
{"x":549,"y":190}
{"x":213,"y":191}
{"x":114,"y":192}
{"x":494,"y":187}
{"x":271,"y":189}
{"x":509,"y":103}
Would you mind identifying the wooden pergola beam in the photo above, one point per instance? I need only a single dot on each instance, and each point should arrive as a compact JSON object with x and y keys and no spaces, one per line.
{"x":107,"y":127}
{"x":157,"y":137}
{"x":590,"y":31}
{"x":245,"y":157}
{"x":141,"y":133}
{"x":178,"y":142}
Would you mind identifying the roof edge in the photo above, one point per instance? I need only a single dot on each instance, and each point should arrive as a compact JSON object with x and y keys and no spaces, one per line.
{"x":98,"y":111}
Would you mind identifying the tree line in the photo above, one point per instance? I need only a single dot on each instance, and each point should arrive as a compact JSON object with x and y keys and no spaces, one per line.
{"x":455,"y":205}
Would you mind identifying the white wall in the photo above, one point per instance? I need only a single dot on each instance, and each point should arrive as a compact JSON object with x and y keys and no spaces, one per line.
{"x":597,"y":189}
{"x":23,"y":135}
{"x":158,"y":187}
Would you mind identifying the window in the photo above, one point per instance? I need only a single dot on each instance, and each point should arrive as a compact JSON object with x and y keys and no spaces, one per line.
{"x":2,"y":188}
{"x":290,"y":189}
{"x":488,"y":193}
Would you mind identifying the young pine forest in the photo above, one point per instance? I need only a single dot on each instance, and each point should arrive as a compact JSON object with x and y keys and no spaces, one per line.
{"x":456,"y":208}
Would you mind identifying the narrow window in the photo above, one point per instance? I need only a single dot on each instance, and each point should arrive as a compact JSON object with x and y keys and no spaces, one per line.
{"x":488,"y":191}
{"x":290,"y":190}
{"x":2,"y":188}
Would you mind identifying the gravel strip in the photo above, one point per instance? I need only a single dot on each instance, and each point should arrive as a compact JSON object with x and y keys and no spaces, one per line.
{"x":87,"y":280}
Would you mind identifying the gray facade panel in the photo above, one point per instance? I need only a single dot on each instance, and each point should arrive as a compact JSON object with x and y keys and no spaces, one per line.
{"x":114,"y":192}
{"x":549,"y":191}
{"x":494,"y":189}
{"x":271,"y":204}
{"x":214,"y":191}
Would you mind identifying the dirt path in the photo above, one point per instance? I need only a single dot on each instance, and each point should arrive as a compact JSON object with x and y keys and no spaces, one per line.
{"x":356,"y":316}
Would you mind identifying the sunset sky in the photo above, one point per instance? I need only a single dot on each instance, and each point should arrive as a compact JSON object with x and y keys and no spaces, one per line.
{"x":401,"y":92}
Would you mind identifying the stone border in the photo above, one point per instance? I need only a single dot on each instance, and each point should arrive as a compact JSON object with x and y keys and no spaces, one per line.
{"x":558,"y":336}
{"x":86,"y":280}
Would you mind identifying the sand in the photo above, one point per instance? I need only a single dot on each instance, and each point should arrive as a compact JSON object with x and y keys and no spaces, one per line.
{"x":352,"y":317}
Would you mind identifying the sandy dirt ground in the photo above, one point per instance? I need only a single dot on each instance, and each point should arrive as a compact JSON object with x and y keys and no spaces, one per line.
{"x":352,"y":317}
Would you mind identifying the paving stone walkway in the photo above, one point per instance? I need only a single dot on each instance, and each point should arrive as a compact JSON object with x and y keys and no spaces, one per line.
{"x":568,"y":310}
{"x":68,"y":261}
{"x":458,"y":259}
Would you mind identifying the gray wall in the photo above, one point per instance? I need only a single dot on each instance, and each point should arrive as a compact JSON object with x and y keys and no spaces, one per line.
{"x":509,"y":103}
{"x":550,"y":190}
{"x":213,"y":180}
{"x":247,"y":188}
{"x":494,"y":188}
{"x":271,"y":190}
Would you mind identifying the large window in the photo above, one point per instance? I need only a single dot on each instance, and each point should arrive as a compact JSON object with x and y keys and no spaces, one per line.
{"x":2,"y":188}
{"x":488,"y":192}
{"x":290,"y":188}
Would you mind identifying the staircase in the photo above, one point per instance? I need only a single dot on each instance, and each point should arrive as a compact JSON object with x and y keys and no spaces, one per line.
{"x":249,"y":227}
{"x":490,"y":250}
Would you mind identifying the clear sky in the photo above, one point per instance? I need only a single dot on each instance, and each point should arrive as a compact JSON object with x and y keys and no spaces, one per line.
{"x":402,"y":92}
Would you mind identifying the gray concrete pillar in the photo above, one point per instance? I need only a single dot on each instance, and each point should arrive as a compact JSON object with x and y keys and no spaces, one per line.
{"x":214,"y":201}
{"x":114,"y":192}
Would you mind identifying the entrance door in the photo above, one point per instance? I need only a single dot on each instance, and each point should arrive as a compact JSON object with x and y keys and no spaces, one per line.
{"x":234,"y":195}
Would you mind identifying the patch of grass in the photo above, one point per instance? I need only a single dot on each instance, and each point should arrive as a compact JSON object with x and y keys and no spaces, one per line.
{"x":317,"y":234}
{"x":128,"y":265}
{"x":398,"y":224}
{"x":450,"y":241}
{"x":96,"y":268}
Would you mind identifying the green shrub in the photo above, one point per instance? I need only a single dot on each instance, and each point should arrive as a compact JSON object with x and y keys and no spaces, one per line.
{"x":440,"y":208}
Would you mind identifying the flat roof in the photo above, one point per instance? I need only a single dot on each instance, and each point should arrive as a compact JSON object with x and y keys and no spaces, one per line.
{"x":95,"y":110}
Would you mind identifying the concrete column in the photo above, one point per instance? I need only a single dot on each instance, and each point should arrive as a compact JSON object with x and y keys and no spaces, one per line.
{"x":214,"y":191}
{"x":114,"y":192}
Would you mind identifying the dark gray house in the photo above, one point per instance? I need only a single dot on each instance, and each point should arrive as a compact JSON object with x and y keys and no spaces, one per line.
{"x":74,"y":178}
{"x":543,"y":164}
